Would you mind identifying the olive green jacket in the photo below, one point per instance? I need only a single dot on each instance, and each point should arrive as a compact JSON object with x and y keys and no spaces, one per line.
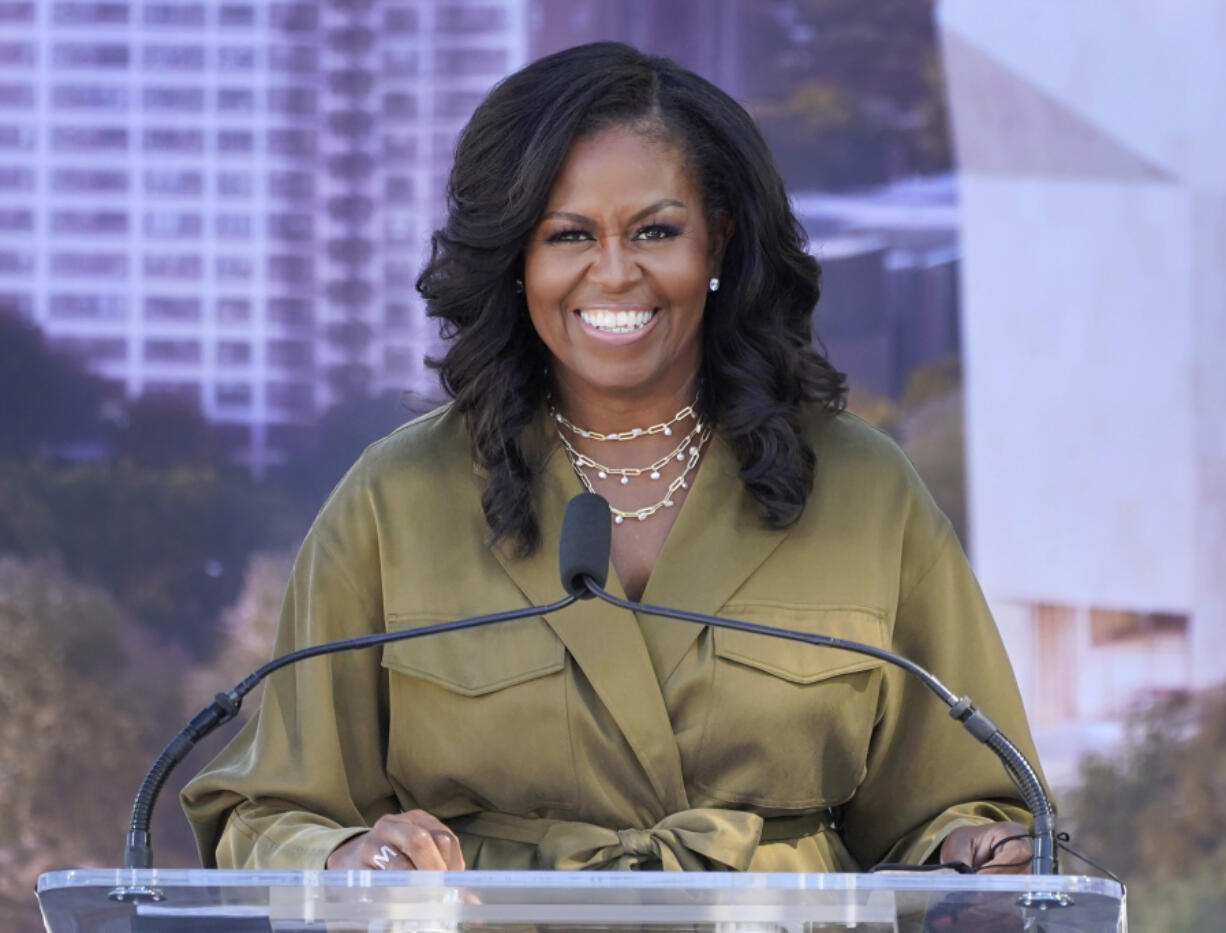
{"x":598,"y":738}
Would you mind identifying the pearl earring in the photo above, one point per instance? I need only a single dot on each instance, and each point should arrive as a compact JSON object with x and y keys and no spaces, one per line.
{"x":713,"y":285}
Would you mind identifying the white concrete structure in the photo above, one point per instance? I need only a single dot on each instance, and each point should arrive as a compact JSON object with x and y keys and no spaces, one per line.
{"x":1092,"y":147}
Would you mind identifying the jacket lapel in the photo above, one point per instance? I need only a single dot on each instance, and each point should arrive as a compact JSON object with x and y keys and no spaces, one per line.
{"x":604,"y":641}
{"x":718,"y":541}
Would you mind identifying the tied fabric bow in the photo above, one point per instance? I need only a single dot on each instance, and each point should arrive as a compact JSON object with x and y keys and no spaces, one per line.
{"x":691,"y":840}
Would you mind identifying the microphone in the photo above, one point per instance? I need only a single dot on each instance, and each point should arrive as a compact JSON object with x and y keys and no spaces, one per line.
{"x":582,"y":524}
{"x":584,"y":556}
{"x":583,"y":551}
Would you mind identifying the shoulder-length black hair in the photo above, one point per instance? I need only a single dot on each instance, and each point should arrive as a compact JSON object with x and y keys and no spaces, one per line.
{"x":759,"y":365}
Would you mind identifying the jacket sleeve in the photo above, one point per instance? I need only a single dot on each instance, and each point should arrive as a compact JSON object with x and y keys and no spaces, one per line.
{"x":307,"y":771}
{"x":926,"y":776}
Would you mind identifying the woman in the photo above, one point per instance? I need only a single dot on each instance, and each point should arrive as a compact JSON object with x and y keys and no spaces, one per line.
{"x":627,"y":299}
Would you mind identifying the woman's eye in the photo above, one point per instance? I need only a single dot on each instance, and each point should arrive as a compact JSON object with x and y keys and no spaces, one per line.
{"x":574,"y":235}
{"x":656,"y":232}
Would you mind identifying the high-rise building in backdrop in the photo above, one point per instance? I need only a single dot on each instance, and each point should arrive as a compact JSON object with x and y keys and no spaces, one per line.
{"x":229,"y":201}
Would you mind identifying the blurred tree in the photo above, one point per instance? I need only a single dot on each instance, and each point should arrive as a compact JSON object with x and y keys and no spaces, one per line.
{"x":50,"y":399}
{"x":847,"y":93}
{"x":169,"y":545}
{"x":338,"y":438}
{"x":1156,"y":813}
{"x":79,"y":695}
{"x":162,"y":431}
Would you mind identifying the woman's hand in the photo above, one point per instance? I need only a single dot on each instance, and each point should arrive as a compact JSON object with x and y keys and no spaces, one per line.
{"x":973,"y":845}
{"x":401,"y":842}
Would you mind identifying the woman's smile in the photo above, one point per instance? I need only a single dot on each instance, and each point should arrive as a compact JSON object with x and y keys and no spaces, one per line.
{"x":615,"y":324}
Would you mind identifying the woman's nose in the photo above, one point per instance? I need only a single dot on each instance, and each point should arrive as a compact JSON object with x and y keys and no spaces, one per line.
{"x":614,"y":267}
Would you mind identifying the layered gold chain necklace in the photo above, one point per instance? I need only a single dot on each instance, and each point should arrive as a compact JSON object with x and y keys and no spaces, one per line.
{"x":688,"y":451}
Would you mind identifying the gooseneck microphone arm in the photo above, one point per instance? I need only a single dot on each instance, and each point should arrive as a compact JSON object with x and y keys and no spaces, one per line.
{"x":138,"y":851}
{"x":587,"y":520}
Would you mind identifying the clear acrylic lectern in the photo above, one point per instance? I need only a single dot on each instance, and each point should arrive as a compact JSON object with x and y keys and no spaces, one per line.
{"x":81,"y":901}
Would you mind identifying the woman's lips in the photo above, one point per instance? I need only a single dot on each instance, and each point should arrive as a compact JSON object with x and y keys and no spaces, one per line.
{"x":617,"y":325}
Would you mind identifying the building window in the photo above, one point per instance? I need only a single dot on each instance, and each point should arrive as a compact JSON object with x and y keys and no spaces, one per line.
{"x":290,"y":311}
{"x":173,"y":140}
{"x":291,"y":184}
{"x":88,"y":307}
{"x":297,"y":59}
{"x":180,"y":99}
{"x":399,"y":272}
{"x":172,"y":224}
{"x":235,"y":141}
{"x":292,"y":100}
{"x":398,"y":317}
{"x":90,"y":14}
{"x":400,"y":21}
{"x":89,"y":222}
{"x":81,"y":181}
{"x":399,"y":145}
{"x":233,"y":311}
{"x":234,"y":394}
{"x":398,"y":104}
{"x":93,"y":265}
{"x":397,"y":189}
{"x":188,"y":392}
{"x":292,"y":227}
{"x":466,"y":20}
{"x":172,"y":310}
{"x":236,"y":14}
{"x":164,"y":181}
{"x":89,"y":55}
{"x":16,"y":220}
{"x":94,"y":349}
{"x":13,"y":178}
{"x":17,"y":137}
{"x":174,"y":57}
{"x":291,"y":353}
{"x":234,"y":184}
{"x":233,"y":267}
{"x":236,"y":58}
{"x":174,"y":14}
{"x":291,"y":142}
{"x":233,"y":225}
{"x":398,"y":228}
{"x":17,"y":53}
{"x":17,"y":12}
{"x":400,"y":62}
{"x":469,"y":62}
{"x":235,"y":100}
{"x":293,"y":17}
{"x":1114,"y":625}
{"x":14,"y":261}
{"x":16,"y":96}
{"x":294,"y":270}
{"x":459,"y":104}
{"x":89,"y":97}
{"x":89,"y":138}
{"x":293,"y":397}
{"x":233,"y":353}
{"x":173,"y":266}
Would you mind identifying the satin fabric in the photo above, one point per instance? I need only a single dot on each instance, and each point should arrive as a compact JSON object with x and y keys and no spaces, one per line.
{"x":640,"y":727}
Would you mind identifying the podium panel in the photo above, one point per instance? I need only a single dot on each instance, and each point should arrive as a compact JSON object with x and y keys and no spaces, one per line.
{"x":179,"y":901}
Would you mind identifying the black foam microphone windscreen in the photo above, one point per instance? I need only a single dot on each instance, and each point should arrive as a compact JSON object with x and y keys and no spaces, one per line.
{"x":583,"y":551}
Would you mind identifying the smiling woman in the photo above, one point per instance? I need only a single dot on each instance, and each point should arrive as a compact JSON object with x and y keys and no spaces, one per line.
{"x":627,"y":301}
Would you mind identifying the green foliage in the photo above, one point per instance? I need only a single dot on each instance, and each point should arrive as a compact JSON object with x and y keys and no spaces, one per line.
{"x":49,"y":399}
{"x":1156,"y":814}
{"x":847,"y":93}
{"x":79,"y":695}
{"x":170,"y":545}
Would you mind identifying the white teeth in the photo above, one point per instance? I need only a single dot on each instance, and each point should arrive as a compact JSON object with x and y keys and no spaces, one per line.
{"x":615,"y":322}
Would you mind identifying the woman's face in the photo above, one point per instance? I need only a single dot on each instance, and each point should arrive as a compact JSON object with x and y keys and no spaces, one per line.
{"x":616,"y":273}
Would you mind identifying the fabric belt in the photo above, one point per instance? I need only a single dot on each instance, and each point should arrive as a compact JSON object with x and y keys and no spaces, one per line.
{"x":705,"y":839}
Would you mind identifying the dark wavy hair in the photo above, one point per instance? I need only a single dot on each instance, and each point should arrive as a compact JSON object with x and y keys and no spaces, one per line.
{"x":759,"y":365}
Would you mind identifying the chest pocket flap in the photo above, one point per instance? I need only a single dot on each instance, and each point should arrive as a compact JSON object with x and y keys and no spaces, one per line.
{"x":476,"y":661}
{"x":797,"y":661}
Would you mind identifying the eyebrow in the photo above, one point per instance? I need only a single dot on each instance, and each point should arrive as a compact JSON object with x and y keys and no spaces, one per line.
{"x":645,"y":212}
